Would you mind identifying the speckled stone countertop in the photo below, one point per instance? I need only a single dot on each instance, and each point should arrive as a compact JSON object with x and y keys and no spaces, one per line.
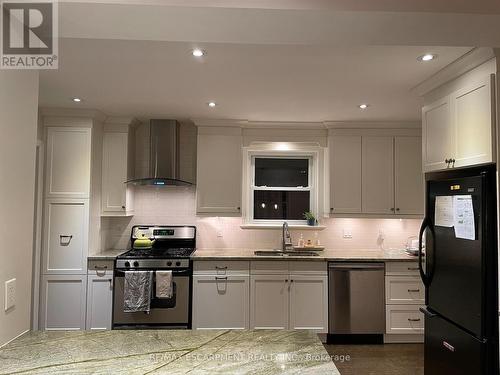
{"x":167,"y":352}
{"x":325,"y":255}
{"x":106,"y":254}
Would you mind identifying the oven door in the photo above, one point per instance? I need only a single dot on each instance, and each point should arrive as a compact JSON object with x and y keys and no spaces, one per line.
{"x":164,"y":313}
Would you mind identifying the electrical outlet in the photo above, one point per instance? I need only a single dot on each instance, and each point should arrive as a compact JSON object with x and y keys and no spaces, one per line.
{"x":10,"y":294}
{"x":381,"y":234}
{"x":347,"y":233}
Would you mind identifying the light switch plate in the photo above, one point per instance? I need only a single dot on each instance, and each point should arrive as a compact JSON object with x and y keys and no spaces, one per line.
{"x":10,"y":294}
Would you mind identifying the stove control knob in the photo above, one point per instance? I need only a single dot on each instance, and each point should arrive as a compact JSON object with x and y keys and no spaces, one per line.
{"x":136,"y":264}
{"x":127,"y":264}
{"x":178,"y":264}
{"x":169,"y":264}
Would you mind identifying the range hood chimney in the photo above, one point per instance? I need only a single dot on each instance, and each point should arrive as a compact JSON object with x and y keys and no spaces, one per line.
{"x":160,"y":159}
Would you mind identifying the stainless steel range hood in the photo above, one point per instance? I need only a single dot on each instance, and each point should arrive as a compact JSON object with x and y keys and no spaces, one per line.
{"x":160,"y":159}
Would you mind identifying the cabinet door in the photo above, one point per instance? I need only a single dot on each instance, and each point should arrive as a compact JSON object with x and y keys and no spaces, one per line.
{"x":220,"y":302}
{"x":345,"y":174}
{"x":63,"y":302}
{"x":473,"y":124}
{"x":437,"y":135}
{"x":219,"y":173}
{"x":116,"y":195}
{"x":68,"y":162}
{"x":269,"y":301}
{"x":378,"y":175}
{"x":409,"y":186}
{"x":65,"y":245}
{"x":309,"y":302}
{"x":99,"y":300}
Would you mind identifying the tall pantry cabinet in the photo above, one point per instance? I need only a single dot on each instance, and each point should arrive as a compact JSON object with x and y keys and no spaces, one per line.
{"x":71,"y":217}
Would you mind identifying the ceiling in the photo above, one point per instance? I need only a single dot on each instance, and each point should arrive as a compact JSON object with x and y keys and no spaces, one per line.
{"x":253,"y":82}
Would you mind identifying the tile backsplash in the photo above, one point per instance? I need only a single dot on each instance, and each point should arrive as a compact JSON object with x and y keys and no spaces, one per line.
{"x":176,"y":206}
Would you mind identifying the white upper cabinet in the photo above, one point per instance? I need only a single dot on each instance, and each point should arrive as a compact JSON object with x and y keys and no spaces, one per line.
{"x":219,"y":171}
{"x":65,"y":246}
{"x":409,"y":180}
{"x":345,"y":173}
{"x":458,"y":130}
{"x":437,"y":135}
{"x":473,"y":124}
{"x":378,"y":175}
{"x":117,"y":197}
{"x":68,"y":162}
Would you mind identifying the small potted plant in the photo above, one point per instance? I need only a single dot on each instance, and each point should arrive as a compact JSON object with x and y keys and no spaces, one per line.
{"x":309,"y":216}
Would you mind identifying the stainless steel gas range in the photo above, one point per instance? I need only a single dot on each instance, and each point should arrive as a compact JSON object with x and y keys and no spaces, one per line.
{"x":171,"y":249}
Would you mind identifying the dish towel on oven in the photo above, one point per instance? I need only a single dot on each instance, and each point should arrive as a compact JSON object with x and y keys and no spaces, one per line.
{"x":164,"y":287}
{"x":137,"y":291}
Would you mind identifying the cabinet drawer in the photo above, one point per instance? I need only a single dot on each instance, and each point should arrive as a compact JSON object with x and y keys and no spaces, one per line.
{"x":100,"y":267}
{"x":404,"y":290}
{"x":221,"y":267}
{"x":269,"y":267}
{"x":401,"y":268}
{"x":404,"y":319}
{"x":308,"y":267}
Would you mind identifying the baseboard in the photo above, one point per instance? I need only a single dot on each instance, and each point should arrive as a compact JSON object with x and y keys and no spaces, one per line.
{"x":403,"y":339}
{"x":8,"y":342}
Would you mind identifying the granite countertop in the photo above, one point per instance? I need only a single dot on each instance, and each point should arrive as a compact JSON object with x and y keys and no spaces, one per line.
{"x":106,"y":254}
{"x":167,"y":352}
{"x":325,"y":255}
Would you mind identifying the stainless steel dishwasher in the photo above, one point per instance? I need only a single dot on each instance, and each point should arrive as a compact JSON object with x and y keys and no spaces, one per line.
{"x":356,"y":302}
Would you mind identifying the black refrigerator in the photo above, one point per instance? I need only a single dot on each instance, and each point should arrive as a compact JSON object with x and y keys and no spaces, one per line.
{"x":459,"y":268}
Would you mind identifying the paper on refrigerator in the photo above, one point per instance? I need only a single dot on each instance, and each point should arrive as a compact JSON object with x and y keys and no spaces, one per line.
{"x":463,"y":213}
{"x":443,"y":211}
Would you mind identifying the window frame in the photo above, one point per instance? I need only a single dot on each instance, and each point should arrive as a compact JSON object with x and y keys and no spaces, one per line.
{"x":249,"y":182}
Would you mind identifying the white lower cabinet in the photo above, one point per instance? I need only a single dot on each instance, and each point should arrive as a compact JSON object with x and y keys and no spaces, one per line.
{"x":99,"y":300}
{"x":220,"y":302}
{"x":269,"y":301}
{"x":295,"y":298}
{"x":63,"y":300}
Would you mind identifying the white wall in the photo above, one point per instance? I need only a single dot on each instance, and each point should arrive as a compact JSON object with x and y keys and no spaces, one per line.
{"x":176,"y":205}
{"x":18,"y":130}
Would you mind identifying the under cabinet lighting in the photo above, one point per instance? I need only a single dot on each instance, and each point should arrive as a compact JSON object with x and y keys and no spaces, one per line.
{"x":198,"y":52}
{"x":212,"y":104}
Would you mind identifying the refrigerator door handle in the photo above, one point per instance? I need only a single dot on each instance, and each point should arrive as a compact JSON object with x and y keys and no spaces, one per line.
{"x":426,"y":278}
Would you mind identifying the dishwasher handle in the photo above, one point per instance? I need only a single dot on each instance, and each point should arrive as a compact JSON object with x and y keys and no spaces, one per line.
{"x":356,"y":266}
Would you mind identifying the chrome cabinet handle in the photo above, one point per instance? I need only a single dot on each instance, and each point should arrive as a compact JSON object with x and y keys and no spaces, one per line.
{"x":413,"y":320}
{"x":100,"y":267}
{"x":412,"y":268}
{"x":221,"y":268}
{"x":220,"y":278}
{"x":413,"y":290}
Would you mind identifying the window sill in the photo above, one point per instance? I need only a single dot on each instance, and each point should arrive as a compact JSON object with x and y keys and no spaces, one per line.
{"x":279,"y":226}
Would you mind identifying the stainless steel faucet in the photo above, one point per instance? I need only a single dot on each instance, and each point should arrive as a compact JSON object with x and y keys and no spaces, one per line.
{"x":286,"y":238}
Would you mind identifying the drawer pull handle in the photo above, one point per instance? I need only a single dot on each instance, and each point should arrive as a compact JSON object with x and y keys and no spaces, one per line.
{"x":413,"y":320}
{"x":221,"y":268}
{"x":412,"y":268}
{"x":451,"y":348}
{"x":220,"y":278}
{"x":413,"y":290}
{"x":101,"y":267}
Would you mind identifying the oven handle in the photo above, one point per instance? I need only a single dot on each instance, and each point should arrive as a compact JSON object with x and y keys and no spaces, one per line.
{"x":174,"y":272}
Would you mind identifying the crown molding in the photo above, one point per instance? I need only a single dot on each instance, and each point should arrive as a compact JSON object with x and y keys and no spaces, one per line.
{"x":465,"y":63}
{"x":373,"y":124}
{"x":72,"y":112}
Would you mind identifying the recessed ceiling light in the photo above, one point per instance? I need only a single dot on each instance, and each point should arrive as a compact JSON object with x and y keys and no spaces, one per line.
{"x":363,"y":106}
{"x":212,"y":104}
{"x":427,"y":57}
{"x":76,"y":100}
{"x":198,"y":52}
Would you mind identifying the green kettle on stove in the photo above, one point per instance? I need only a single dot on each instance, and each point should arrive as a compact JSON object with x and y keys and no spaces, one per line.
{"x":143,"y":243}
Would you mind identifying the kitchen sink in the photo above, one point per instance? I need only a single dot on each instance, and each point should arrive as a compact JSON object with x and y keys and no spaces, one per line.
{"x":281,"y":253}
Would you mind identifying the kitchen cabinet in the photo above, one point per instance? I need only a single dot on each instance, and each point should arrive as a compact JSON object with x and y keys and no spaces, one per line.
{"x":63,"y":299}
{"x":289,"y":295}
{"x":68,"y":162}
{"x":65,"y":239}
{"x":117,"y":197}
{"x":220,"y":302}
{"x":219,"y":166}
{"x":345,"y":173}
{"x":458,"y":129}
{"x":99,"y":299}
{"x":408,"y":176}
{"x":378,"y":175}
